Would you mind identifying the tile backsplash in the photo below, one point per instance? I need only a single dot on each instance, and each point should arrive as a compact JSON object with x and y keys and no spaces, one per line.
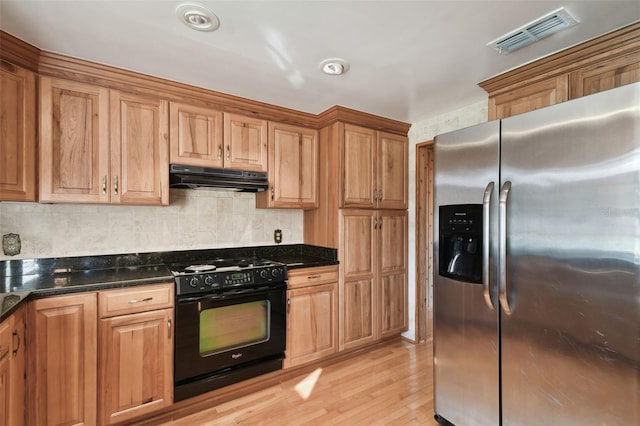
{"x":193,"y":220}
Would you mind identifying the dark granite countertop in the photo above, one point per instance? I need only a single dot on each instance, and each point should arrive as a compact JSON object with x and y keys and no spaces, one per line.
{"x":23,"y":280}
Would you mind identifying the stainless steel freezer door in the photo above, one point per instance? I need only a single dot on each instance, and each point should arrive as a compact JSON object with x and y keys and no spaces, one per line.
{"x":571,"y":347}
{"x":465,"y":328}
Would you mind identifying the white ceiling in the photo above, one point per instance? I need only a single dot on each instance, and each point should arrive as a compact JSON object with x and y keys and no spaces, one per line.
{"x":410,"y":60}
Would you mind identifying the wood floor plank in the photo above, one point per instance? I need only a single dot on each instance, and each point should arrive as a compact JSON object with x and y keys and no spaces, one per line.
{"x":390,"y":385}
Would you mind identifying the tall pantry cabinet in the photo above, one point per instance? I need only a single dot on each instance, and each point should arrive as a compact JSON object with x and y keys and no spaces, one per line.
{"x":362,"y":212}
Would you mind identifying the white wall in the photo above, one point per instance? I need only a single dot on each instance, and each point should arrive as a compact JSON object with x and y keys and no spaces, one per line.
{"x":193,"y":220}
{"x":420,"y":132}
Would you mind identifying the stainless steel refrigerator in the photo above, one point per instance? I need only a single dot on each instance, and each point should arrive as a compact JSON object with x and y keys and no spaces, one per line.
{"x":537,"y":261}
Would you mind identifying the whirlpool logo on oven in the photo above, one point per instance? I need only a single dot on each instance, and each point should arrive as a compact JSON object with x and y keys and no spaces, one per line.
{"x":236,"y":356}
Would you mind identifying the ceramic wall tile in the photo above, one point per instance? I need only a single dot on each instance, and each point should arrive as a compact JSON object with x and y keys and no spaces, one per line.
{"x":193,"y":220}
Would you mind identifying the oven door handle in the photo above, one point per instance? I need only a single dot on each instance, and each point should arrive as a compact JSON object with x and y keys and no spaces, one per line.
{"x":231,"y":294}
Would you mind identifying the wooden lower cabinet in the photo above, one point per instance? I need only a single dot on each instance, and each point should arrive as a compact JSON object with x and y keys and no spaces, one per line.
{"x":312,"y":315}
{"x":18,"y":383}
{"x":12,"y":370}
{"x":62,"y":351}
{"x":5,"y":372}
{"x":136,"y":365}
{"x":373,"y":275}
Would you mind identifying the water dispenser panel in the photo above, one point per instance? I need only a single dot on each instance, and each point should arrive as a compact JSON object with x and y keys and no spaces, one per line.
{"x":461,"y":242}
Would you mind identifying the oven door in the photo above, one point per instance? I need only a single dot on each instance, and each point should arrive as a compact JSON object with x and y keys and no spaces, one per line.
{"x":218,"y":332}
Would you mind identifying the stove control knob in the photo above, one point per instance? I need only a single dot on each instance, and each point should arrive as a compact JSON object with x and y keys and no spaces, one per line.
{"x":208,"y":280}
{"x":275,"y":272}
{"x":263,"y":273}
{"x":193,"y":282}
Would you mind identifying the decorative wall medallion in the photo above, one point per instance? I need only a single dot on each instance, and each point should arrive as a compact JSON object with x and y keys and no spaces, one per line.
{"x":11,"y":244}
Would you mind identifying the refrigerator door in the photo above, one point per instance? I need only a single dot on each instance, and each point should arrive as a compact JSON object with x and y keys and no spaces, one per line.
{"x":571,"y":345}
{"x":466,"y":384}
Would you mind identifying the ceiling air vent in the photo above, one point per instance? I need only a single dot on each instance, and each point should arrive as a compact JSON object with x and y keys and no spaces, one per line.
{"x":551,"y":23}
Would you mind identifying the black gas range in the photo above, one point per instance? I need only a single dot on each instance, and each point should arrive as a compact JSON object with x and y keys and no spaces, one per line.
{"x":226,"y":274}
{"x":230,"y":322}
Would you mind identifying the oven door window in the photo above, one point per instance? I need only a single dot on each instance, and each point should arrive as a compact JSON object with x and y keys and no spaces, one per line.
{"x":234,"y":326}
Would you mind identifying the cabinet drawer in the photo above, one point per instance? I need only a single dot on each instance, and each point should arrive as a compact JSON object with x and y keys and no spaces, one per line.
{"x":135,"y":299}
{"x":5,"y":338}
{"x":312,"y":276}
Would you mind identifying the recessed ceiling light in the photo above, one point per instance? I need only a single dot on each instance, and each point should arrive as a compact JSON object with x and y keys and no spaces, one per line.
{"x":197,"y":16}
{"x":334,"y":66}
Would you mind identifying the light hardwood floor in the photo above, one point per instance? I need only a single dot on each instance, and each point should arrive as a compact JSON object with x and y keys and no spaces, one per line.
{"x":390,"y":385}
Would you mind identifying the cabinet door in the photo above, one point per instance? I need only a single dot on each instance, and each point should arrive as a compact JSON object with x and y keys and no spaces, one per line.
{"x":139,"y":150}
{"x":245,"y":141}
{"x":312,"y":321}
{"x":605,"y":75}
{"x":358,"y":295}
{"x":358,"y":167}
{"x":392,"y":176}
{"x":537,"y":95}
{"x":74,"y":142}
{"x":392,"y":271}
{"x":17,"y":133}
{"x":17,"y":384}
{"x":293,"y":168}
{"x":5,"y":402}
{"x":136,"y":364}
{"x":62,"y":360}
{"x":5,"y":373}
{"x":196,"y":136}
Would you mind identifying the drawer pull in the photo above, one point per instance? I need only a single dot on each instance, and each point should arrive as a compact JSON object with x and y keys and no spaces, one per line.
{"x":16,"y":335}
{"x":314,"y":277}
{"x":148,"y":299}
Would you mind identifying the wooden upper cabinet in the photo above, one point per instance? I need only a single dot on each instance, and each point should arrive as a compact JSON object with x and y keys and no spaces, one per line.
{"x":101,"y":146}
{"x":293,"y":168}
{"x":359,"y":166}
{"x":74,"y":142}
{"x":602,"y":63}
{"x":139,"y":150}
{"x":528,"y":98}
{"x":393,"y":156}
{"x":375,"y":169}
{"x":196,"y":136}
{"x":245,"y":143}
{"x":606,"y":75}
{"x":17,"y":133}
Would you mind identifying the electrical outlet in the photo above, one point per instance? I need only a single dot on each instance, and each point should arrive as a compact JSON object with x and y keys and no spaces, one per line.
{"x":277,"y":236}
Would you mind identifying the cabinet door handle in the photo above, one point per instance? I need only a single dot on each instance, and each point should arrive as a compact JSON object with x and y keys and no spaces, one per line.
{"x":104,"y":184}
{"x":375,"y":223}
{"x":169,"y":328}
{"x":273,"y":193}
{"x":228,"y":152}
{"x":148,"y":299}
{"x":219,"y":152}
{"x":380,"y":195}
{"x":380,"y":223}
{"x":16,"y":335}
{"x":115,"y":185}
{"x":288,"y":305}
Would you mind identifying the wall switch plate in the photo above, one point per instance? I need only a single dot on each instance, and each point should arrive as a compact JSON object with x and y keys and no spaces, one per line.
{"x":11,"y":244}
{"x":277,"y":236}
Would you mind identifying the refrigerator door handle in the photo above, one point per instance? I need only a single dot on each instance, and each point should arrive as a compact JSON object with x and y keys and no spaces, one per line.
{"x":502,"y":250}
{"x":486,"y":223}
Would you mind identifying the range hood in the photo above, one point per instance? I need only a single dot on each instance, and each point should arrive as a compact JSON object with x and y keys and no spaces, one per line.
{"x":193,"y":177}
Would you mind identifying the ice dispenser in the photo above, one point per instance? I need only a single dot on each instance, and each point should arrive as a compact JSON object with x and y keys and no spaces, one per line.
{"x":461,"y":242}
